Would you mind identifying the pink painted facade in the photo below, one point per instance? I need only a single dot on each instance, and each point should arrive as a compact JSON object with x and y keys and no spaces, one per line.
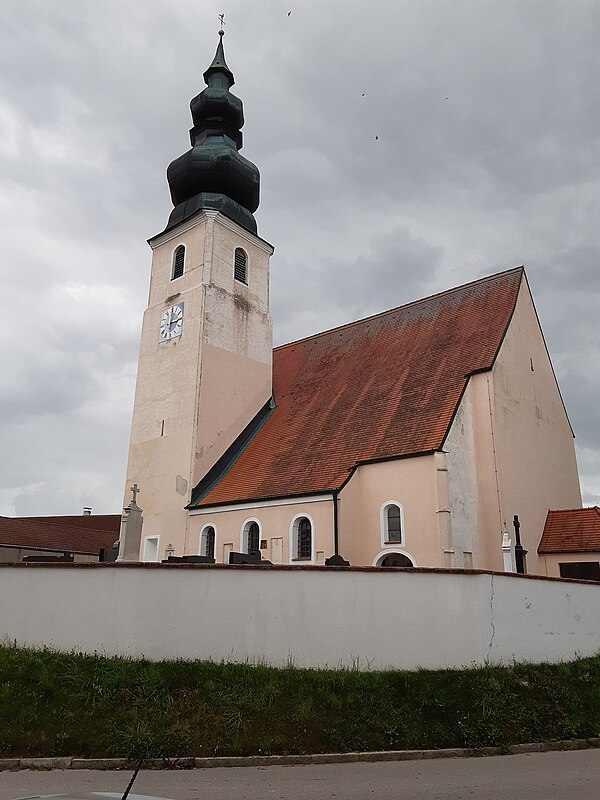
{"x":509,"y":451}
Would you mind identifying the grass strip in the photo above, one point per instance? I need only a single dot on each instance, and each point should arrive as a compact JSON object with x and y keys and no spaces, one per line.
{"x":57,"y":704}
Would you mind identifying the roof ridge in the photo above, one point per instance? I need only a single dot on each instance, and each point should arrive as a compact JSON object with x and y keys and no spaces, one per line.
{"x":582,"y":508}
{"x":57,"y":524}
{"x":63,"y":516}
{"x":454,"y":289}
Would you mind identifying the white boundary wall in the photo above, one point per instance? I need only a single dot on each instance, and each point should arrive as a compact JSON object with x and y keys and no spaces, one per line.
{"x":365,"y":618}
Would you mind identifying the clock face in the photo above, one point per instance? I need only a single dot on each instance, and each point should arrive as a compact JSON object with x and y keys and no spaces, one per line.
{"x":171,"y":322}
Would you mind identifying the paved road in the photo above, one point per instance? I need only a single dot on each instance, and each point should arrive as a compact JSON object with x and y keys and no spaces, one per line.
{"x":538,"y":776}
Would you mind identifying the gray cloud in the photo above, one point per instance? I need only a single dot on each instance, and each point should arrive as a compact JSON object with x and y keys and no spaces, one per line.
{"x":488,"y":121}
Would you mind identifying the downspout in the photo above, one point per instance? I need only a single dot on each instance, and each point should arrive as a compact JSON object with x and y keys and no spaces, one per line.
{"x":336,"y":559}
{"x":336,"y":540}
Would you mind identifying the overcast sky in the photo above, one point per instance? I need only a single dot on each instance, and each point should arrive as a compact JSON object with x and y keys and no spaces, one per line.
{"x":488,"y":123}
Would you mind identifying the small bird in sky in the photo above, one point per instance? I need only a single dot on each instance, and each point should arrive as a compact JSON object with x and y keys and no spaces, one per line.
{"x":363,"y":94}
{"x":376,"y":137}
{"x":289,"y":13}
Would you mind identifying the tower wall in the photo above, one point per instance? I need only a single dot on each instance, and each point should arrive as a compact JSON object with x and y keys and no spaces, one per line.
{"x":197,"y":391}
{"x":237,"y":341}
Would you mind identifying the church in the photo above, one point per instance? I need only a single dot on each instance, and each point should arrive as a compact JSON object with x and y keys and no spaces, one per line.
{"x":431,"y":435}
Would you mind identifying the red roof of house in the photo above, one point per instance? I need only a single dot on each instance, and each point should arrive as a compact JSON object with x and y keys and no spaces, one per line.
{"x":386,"y":386}
{"x":77,"y":534}
{"x":573,"y":530}
{"x":98,"y":522}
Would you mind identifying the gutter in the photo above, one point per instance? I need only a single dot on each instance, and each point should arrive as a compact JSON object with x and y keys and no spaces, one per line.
{"x":336,"y":535}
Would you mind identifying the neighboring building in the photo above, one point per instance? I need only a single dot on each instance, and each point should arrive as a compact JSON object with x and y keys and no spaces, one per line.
{"x":412,"y":437}
{"x":570,"y":545}
{"x":84,"y":537}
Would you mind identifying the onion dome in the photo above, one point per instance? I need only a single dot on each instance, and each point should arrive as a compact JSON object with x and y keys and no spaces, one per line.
{"x":213,"y":174}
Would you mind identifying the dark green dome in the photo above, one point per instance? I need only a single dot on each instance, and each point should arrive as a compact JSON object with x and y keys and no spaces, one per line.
{"x":213,"y":174}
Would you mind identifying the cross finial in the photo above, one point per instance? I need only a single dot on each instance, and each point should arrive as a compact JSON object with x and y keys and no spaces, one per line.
{"x":222,"y":23}
{"x":134,"y":490}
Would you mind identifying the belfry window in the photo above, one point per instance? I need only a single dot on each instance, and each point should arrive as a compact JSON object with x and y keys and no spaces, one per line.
{"x":178,"y":262}
{"x":240,"y":267}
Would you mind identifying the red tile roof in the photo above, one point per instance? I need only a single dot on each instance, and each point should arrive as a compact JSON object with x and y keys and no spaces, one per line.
{"x":98,"y":522}
{"x":76,"y":534}
{"x":574,"y":530}
{"x":386,"y":386}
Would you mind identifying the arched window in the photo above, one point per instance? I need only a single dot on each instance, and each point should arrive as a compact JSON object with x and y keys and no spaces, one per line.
{"x":178,"y":262}
{"x":392,"y":523}
{"x":304,"y":538}
{"x":240,"y":267}
{"x":391,"y":557}
{"x":396,"y":560}
{"x":301,"y":545}
{"x":251,"y":538}
{"x":207,"y":541}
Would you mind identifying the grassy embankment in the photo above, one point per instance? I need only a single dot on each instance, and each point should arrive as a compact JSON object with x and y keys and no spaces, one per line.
{"x":54,"y":704}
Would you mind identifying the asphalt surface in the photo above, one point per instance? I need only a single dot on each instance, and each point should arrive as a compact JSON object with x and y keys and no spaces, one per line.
{"x":543,"y":776}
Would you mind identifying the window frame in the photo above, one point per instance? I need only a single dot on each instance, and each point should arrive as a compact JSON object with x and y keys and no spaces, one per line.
{"x":246,"y":266}
{"x":383,"y":523}
{"x":202,"y":540}
{"x":293,"y":557}
{"x":245,"y":530}
{"x":173,"y":257}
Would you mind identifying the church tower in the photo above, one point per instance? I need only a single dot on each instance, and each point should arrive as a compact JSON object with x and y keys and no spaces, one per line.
{"x":206,"y":346}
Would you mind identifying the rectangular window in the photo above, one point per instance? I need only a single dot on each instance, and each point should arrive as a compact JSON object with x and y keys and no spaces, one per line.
{"x":582,"y":570}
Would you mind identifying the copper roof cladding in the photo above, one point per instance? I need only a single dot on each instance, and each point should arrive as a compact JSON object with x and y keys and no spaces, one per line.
{"x":75,"y":534}
{"x":573,"y":530}
{"x":386,"y":386}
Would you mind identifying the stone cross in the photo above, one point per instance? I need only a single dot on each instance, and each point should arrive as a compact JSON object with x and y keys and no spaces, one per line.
{"x":134,"y":490}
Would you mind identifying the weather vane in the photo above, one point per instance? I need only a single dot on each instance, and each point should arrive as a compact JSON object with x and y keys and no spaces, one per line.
{"x":222,"y":23}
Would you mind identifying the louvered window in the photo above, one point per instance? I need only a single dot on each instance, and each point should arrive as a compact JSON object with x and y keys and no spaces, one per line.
{"x":178,"y":262}
{"x":304,"y":538}
{"x":240,"y":268}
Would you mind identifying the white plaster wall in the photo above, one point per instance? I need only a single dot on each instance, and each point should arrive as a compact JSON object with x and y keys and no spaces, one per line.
{"x":312,"y":616}
{"x":463,"y":485}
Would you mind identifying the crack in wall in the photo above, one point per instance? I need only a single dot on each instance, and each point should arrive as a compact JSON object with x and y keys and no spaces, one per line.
{"x":492,"y":625}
